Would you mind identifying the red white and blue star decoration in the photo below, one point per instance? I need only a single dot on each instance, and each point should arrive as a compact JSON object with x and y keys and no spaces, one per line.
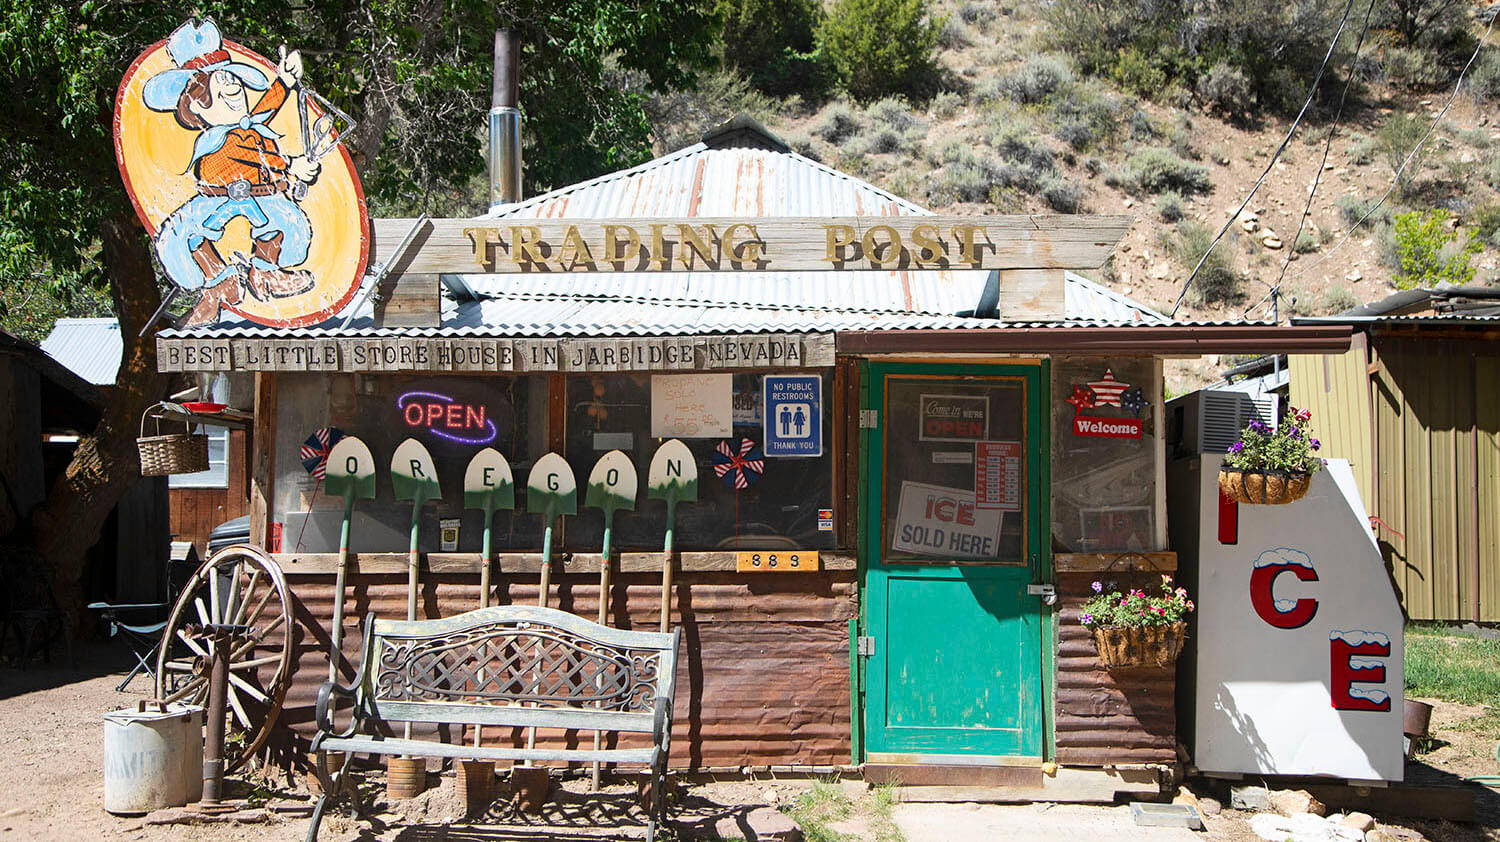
{"x":1133,"y":401}
{"x":1107,"y":390}
{"x":1083,"y":397}
{"x":315,"y":450}
{"x":738,"y":463}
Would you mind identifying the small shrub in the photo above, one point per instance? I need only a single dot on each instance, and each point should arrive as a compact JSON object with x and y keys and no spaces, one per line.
{"x":1352,"y":209}
{"x":1169,"y":207}
{"x":1430,"y":252}
{"x":965,"y":177}
{"x":893,"y":112}
{"x":1141,"y":126}
{"x":1337,"y":299}
{"x":1079,"y":136}
{"x":1217,"y":281}
{"x":977,"y":14}
{"x":1395,"y":140}
{"x":880,"y":47}
{"x":1362,"y":150}
{"x":1414,"y":68}
{"x":1225,"y":89}
{"x":1086,"y":117}
{"x":1062,"y":195}
{"x":953,"y":34}
{"x":1484,"y":77}
{"x":1014,"y":142}
{"x":1485,"y":220}
{"x":1307,"y":242}
{"x":1039,"y":78}
{"x":840,"y":122}
{"x":945,"y":105}
{"x":803,"y":145}
{"x":1155,"y":170}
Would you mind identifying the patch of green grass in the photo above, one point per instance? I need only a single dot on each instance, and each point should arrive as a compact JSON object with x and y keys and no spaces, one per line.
{"x":1453,"y":666}
{"x":815,"y":808}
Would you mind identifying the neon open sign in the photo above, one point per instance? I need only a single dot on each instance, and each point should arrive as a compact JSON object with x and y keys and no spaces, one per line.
{"x":447,"y":417}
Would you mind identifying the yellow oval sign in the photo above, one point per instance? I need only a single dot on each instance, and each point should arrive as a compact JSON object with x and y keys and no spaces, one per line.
{"x":250,"y":200}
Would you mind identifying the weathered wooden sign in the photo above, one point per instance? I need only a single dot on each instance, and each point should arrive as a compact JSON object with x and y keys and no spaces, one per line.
{"x":657,"y":353}
{"x":236,"y":169}
{"x":760,"y":244}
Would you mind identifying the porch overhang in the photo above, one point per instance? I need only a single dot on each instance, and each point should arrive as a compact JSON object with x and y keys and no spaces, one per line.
{"x":1153,"y":340}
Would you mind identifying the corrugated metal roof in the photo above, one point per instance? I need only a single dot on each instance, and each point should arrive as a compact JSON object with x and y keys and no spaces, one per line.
{"x":712,"y":180}
{"x":90,"y":348}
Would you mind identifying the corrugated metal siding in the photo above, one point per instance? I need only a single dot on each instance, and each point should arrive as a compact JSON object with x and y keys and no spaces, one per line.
{"x":1336,"y":389}
{"x":90,"y":348}
{"x":763,"y":678}
{"x":1108,"y":716}
{"x":1437,"y":428}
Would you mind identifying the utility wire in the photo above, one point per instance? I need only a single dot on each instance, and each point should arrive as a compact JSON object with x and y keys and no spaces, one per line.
{"x":1406,"y":163}
{"x":1291,"y":247}
{"x":1311,"y":93}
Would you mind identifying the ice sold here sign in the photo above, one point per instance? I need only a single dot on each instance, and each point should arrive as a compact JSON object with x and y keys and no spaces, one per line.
{"x":932,"y":520}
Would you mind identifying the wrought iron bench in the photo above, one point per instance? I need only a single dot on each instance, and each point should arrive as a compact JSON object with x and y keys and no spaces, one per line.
{"x":510,"y":666}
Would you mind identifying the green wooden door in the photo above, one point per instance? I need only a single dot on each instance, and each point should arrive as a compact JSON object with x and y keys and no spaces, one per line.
{"x":955,"y":530}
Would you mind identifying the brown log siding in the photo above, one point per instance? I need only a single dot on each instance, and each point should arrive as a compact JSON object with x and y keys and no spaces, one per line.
{"x":1108,"y":716}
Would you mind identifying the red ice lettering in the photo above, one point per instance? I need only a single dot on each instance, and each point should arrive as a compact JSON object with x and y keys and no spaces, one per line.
{"x":1343,"y":674}
{"x":1262,"y":583}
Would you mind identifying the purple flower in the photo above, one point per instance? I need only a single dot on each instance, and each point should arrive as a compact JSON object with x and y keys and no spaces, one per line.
{"x":1237,"y":447}
{"x":1258,"y":426}
{"x":1316,"y":444}
{"x":1087,"y":618}
{"x":1098,"y":587}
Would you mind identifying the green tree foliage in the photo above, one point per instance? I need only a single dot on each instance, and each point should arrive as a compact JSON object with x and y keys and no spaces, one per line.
{"x":1266,"y":51}
{"x":415,"y":74}
{"x":876,"y":48}
{"x":773,"y":43}
{"x":1431,"y":251}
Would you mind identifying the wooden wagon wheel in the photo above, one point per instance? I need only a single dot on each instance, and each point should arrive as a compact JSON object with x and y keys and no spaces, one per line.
{"x":237,"y":585}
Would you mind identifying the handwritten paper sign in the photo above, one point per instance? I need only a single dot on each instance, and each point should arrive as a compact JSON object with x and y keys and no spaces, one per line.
{"x":692,"y":406}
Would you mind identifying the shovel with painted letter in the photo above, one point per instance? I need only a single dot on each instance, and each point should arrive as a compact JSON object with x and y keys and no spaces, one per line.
{"x":612,"y":486}
{"x":673,"y":477}
{"x":349,"y":473}
{"x":551,"y":490}
{"x":487,"y":486}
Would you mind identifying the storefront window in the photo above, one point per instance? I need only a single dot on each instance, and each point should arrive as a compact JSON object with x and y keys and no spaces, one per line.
{"x":1103,"y":454}
{"x":769,"y":503}
{"x":453,"y":417}
{"x":955,"y":469}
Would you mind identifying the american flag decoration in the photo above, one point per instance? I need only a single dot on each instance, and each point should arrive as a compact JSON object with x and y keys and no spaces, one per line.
{"x":315,"y":450}
{"x":738,"y":464}
{"x":1083,"y":397}
{"x":1107,"y":390}
{"x":1133,"y":401}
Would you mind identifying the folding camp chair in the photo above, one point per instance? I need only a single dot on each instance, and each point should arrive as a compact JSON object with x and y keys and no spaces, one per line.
{"x":142,"y":639}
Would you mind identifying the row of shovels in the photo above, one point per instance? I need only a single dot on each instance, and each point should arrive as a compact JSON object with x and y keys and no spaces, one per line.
{"x":551,"y":490}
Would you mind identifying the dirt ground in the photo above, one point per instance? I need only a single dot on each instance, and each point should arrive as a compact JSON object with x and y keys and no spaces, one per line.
{"x":51,"y":786}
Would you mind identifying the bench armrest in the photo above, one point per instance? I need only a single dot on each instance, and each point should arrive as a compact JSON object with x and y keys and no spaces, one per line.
{"x":661,"y":727}
{"x":325,"y":709}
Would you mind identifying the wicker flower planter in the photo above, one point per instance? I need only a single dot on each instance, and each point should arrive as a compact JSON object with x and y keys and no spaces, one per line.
{"x":1263,"y":487}
{"x":1139,"y":646}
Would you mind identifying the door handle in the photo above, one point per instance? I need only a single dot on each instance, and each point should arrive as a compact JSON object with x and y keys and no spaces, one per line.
{"x":1048,"y":593}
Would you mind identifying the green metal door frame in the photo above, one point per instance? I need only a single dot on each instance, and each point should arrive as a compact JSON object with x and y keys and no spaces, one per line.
{"x":871,"y":501}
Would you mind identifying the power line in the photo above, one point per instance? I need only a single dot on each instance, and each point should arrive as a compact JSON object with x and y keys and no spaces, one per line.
{"x":1311,"y":93}
{"x":1406,"y":163}
{"x":1291,"y":247}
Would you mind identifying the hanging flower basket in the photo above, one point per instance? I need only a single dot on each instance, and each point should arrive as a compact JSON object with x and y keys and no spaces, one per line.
{"x":1132,"y":628}
{"x":1271,"y":466}
{"x":1140,"y":646}
{"x":170,"y":453}
{"x":1263,"y":487}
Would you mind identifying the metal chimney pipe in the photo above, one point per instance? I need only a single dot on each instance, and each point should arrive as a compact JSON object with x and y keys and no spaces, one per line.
{"x":505,"y":122}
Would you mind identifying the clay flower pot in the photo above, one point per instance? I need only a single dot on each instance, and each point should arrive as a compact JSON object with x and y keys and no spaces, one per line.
{"x":1263,"y":487}
{"x":1139,"y":646}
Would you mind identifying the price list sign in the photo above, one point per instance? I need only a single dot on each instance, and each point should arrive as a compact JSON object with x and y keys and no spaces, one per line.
{"x":997,"y":475}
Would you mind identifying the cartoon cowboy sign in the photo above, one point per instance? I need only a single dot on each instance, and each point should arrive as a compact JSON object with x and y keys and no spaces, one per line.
{"x":241,"y":211}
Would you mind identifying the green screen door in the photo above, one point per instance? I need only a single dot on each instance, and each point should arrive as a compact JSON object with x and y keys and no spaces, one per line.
{"x":954,"y":520}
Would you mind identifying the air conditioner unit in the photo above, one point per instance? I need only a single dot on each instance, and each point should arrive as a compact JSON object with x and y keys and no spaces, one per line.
{"x":1210,"y":420}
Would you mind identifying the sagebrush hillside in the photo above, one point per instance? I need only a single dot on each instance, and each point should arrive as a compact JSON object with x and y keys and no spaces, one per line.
{"x":1013,"y":121}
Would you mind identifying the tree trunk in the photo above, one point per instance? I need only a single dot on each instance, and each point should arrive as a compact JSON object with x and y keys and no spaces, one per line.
{"x":105,"y":464}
